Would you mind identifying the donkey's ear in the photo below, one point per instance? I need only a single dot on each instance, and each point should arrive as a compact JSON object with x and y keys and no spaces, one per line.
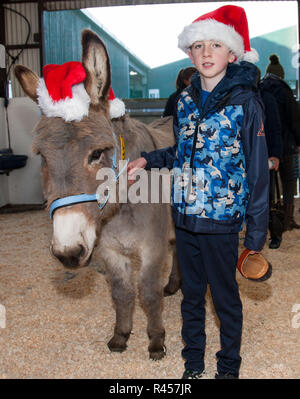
{"x":96,"y":63}
{"x":28,"y":80}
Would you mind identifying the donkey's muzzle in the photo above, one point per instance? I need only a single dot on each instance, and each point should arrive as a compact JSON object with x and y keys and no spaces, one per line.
{"x":71,"y":258}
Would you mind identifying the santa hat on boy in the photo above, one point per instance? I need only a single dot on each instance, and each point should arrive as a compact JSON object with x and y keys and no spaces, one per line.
{"x":61,"y":93}
{"x":227,"y":24}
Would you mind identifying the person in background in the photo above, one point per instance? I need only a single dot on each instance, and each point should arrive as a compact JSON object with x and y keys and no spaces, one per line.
{"x":182,"y":81}
{"x":221,"y":180}
{"x":290,"y":133}
{"x":272,"y":127}
{"x":275,"y":67}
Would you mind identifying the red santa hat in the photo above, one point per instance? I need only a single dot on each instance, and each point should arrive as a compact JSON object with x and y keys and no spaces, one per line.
{"x":61,"y":92}
{"x":227,"y":24}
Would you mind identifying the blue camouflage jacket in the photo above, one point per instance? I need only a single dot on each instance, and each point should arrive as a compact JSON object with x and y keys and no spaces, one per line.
{"x":220,"y":160}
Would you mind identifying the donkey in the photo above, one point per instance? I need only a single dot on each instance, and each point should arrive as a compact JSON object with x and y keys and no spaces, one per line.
{"x":125,"y":234}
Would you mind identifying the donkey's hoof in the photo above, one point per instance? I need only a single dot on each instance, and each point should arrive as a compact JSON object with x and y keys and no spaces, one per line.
{"x":119,"y":348}
{"x":117,"y":344}
{"x":157,"y":354}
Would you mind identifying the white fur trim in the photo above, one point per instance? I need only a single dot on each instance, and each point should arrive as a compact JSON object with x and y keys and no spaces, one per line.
{"x":116,"y":108}
{"x":250,"y":56}
{"x":70,"y":109}
{"x":211,"y":29}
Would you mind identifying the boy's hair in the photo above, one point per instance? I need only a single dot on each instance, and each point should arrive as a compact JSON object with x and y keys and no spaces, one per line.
{"x":227,"y":24}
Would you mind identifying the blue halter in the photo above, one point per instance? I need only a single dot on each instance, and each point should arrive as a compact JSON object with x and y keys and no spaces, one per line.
{"x":81,"y":198}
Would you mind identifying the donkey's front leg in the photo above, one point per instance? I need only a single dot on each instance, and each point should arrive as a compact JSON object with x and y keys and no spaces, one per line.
{"x":151,"y":294}
{"x":123,"y":296}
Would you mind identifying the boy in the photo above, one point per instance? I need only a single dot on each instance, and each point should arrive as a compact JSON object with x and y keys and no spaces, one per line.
{"x":220,"y":138}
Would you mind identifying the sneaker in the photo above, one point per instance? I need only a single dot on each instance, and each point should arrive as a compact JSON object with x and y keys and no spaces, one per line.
{"x":226,"y":376}
{"x":275,"y":243}
{"x":192,"y":375}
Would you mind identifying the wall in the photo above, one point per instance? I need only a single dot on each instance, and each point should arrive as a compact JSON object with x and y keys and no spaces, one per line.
{"x":3,"y":144}
{"x":282,"y":42}
{"x":22,"y":186}
{"x":16,"y":31}
{"x":164,"y":76}
{"x":68,"y":25}
{"x":145,"y":110}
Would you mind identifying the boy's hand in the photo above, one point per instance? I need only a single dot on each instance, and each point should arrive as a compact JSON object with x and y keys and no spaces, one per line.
{"x":254,"y":252}
{"x":138,"y":163}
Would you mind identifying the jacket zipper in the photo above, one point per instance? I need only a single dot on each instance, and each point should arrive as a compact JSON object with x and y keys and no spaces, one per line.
{"x":191,"y":164}
{"x":221,"y":104}
{"x":194,"y":142}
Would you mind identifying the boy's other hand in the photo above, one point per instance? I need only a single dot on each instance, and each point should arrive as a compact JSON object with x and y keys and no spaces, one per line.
{"x":274,"y":162}
{"x":138,"y":163}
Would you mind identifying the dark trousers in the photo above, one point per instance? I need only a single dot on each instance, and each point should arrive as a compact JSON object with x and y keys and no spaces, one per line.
{"x":210,"y":259}
{"x":287,"y":177}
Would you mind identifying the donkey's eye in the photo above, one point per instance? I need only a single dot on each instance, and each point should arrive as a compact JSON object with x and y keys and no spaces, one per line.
{"x":95,"y":156}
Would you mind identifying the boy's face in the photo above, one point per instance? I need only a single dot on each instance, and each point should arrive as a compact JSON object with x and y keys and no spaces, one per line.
{"x":211,"y":59}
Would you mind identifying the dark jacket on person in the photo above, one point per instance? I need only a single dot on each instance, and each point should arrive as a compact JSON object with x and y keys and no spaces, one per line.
{"x":288,"y":111}
{"x":272,"y":124}
{"x":171,"y":104}
{"x":224,"y":146}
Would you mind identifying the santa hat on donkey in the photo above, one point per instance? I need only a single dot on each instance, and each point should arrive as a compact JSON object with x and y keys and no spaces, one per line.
{"x":227,"y":24}
{"x":61,"y":93}
{"x":116,"y":106}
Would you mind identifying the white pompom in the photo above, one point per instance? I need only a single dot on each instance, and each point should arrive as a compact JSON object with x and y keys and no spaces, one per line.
{"x":117,"y":108}
{"x":250,"y":56}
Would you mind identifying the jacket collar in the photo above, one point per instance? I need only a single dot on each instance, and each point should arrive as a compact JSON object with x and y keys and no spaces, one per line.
{"x":243,"y":74}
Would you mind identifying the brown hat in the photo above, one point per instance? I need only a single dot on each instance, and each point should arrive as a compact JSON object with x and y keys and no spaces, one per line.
{"x":254,"y":266}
